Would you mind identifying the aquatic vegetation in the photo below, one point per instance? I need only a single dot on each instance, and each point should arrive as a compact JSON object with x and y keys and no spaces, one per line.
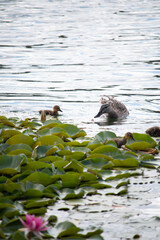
{"x":45,"y":164}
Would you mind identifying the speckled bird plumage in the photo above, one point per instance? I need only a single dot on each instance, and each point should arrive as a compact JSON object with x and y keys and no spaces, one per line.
{"x":112,"y":108}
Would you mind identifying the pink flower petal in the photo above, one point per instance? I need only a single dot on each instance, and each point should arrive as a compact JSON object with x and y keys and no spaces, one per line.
{"x":23,"y":222}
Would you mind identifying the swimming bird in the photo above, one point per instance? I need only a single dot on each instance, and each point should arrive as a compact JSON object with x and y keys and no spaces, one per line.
{"x":153,"y":131}
{"x":54,"y":113}
{"x":122,"y":141}
{"x":112,"y":108}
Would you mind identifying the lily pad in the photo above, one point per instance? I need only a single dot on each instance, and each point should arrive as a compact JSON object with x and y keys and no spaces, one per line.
{"x":9,"y":133}
{"x":38,"y":177}
{"x":73,"y":131}
{"x":20,"y":138}
{"x":66,"y":229}
{"x":105,"y":135}
{"x":11,"y":164}
{"x":139,"y":146}
{"x":49,"y":140}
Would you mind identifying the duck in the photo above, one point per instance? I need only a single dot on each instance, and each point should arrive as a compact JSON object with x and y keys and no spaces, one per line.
{"x":112,"y":108}
{"x":122,"y":141}
{"x":54,"y":113}
{"x":153,"y":131}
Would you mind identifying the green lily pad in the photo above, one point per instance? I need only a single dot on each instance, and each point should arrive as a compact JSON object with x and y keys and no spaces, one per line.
{"x":11,"y":164}
{"x":75,"y":155}
{"x":73,"y":131}
{"x":38,"y":177}
{"x":66,"y":229}
{"x":9,"y":133}
{"x":144,"y":138}
{"x":18,"y":146}
{"x":49,"y":140}
{"x":139,"y":146}
{"x":50,"y":159}
{"x":20,"y":138}
{"x":105,"y":135}
{"x":74,"y":166}
{"x":107,"y":150}
{"x":5,"y":203}
{"x":68,"y":193}
{"x":70,"y":180}
{"x":37,"y":203}
{"x":129,"y":162}
{"x":37,"y":165}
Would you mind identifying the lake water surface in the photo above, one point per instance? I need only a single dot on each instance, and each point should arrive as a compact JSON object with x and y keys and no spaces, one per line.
{"x":71,"y":53}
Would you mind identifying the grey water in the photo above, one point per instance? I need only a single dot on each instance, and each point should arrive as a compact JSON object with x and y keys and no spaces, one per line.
{"x":72,"y":53}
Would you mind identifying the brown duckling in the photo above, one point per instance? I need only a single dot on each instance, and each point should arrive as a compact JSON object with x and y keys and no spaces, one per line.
{"x":153,"y":131}
{"x":122,"y":141}
{"x":54,"y":113}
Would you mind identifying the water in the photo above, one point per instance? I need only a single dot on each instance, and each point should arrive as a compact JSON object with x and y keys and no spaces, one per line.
{"x":71,"y":53}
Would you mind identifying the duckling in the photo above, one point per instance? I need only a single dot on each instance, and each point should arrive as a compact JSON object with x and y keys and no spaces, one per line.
{"x":153,"y":131}
{"x":54,"y":113}
{"x":122,"y":141}
{"x":112,"y":108}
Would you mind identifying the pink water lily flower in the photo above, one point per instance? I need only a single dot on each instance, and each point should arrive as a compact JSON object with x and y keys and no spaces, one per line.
{"x":34,"y":225}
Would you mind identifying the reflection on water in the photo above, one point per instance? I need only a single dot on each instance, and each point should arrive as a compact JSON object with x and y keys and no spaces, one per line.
{"x":71,"y":53}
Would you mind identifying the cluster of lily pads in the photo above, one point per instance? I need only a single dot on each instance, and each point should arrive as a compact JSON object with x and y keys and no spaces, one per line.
{"x":42,"y":163}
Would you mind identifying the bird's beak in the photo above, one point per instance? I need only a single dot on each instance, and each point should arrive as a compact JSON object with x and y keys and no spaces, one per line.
{"x":98,"y":114}
{"x":60,"y":110}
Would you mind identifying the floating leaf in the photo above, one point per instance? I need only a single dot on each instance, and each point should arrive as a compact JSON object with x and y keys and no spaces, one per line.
{"x":68,"y":193}
{"x":37,"y":203}
{"x":58,"y":131}
{"x":11,"y":164}
{"x":10,"y":187}
{"x":66,"y":229}
{"x":87,"y":177}
{"x":73,"y":131}
{"x":49,"y":140}
{"x":75,"y":155}
{"x":7,"y":122}
{"x":50,"y":159}
{"x":95,"y":162}
{"x":20,"y":138}
{"x":139,"y":146}
{"x":74,"y":166}
{"x":60,"y":163}
{"x":129,"y":162}
{"x":37,"y":211}
{"x":41,"y":151}
{"x":38,"y":177}
{"x":144,"y":138}
{"x":105,"y":135}
{"x":18,"y":146}
{"x":50,"y":124}
{"x":107,"y":150}
{"x":70,"y":180}
{"x":9,"y":133}
{"x":37,"y":165}
{"x":5,"y":203}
